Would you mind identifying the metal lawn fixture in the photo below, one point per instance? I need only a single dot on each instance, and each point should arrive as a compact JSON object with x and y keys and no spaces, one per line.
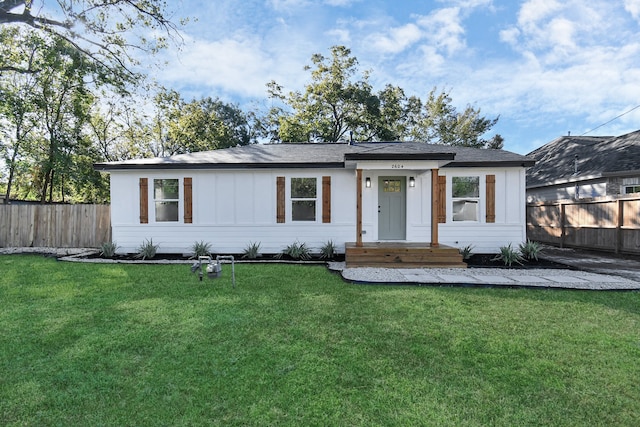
{"x":213,"y":268}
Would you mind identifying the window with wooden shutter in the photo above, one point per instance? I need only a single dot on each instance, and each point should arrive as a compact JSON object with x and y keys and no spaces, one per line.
{"x":280,"y":199}
{"x":188,"y":201}
{"x":491,"y":198}
{"x":144,"y":201}
{"x":326,"y":199}
{"x":442,"y":199}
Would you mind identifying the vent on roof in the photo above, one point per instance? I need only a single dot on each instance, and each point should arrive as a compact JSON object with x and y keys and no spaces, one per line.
{"x":575,"y":165}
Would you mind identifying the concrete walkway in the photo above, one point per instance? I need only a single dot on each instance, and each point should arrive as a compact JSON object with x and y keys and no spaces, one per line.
{"x":585,"y":270}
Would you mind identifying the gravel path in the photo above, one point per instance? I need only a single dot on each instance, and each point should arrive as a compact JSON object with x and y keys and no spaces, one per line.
{"x":538,"y":278}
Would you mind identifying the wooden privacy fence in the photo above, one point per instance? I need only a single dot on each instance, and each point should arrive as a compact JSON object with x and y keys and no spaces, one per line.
{"x":59,"y":226}
{"x":607,"y":224}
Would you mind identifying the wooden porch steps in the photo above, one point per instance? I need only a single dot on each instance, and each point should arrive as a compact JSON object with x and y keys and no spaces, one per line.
{"x":402,"y":255}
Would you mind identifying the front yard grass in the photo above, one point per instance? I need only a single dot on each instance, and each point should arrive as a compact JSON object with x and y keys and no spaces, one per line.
{"x":114,"y":345}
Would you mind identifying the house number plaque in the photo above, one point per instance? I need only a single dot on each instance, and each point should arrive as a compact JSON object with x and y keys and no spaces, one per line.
{"x":397,"y":166}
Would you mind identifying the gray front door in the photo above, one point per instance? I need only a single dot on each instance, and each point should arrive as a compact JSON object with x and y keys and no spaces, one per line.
{"x":392,"y":206}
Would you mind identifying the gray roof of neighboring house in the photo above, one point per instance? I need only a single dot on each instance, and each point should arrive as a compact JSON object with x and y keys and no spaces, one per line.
{"x":311,"y":155}
{"x":597,"y":157}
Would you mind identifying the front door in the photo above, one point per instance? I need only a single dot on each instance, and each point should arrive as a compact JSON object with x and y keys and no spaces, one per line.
{"x":392,"y":205}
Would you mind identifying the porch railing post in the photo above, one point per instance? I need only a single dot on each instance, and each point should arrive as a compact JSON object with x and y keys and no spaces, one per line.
{"x":358,"y":207}
{"x":435,"y":202}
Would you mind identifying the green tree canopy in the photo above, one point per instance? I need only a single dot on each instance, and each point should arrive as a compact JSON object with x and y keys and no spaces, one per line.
{"x":106,"y":32}
{"x":340,"y":103}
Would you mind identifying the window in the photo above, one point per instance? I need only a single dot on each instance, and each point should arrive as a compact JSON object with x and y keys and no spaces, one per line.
{"x":630,"y":189}
{"x":465,"y":194}
{"x":165,"y":197}
{"x":392,"y":186}
{"x":303,"y":199}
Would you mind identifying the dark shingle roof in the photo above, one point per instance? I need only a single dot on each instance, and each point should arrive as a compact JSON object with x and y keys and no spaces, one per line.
{"x":321,"y":156}
{"x":598,"y":156}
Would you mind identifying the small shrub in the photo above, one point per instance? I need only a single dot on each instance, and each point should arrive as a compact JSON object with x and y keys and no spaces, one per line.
{"x":508,"y":256}
{"x":147,"y":250}
{"x":201,"y":248}
{"x":298,"y":251}
{"x":530,"y":250}
{"x":328,"y":250}
{"x":466,"y":252}
{"x":252,"y":251}
{"x":108,"y":249}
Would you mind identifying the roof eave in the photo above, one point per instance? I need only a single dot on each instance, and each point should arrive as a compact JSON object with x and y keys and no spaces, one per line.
{"x":566,"y":181}
{"x":106,"y":167}
{"x":493,"y":164}
{"x":399,"y":156}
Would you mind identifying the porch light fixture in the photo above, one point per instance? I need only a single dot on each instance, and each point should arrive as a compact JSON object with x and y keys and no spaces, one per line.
{"x":367,"y":182}
{"x":412,"y":182}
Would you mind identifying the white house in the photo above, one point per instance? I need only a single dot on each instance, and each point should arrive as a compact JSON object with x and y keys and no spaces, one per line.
{"x":352,"y":194}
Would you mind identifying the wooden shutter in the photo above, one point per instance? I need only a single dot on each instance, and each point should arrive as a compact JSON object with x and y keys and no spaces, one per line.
{"x":280,"y":199}
{"x":491,"y":198}
{"x":144,"y":201}
{"x":326,"y":199}
{"x":442,"y":199}
{"x":188,"y":201}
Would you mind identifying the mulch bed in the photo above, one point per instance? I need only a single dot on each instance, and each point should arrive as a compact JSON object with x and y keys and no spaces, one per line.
{"x":487,"y":261}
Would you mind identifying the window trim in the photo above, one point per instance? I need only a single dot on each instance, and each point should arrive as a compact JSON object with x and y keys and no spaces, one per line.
{"x":478,"y":200}
{"x":177,"y":200}
{"x":291,"y":199}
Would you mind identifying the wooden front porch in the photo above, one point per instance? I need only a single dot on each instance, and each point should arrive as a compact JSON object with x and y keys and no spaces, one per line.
{"x":402,"y":255}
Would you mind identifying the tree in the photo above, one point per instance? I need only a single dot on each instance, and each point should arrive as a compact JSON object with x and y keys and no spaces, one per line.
{"x":18,"y":109}
{"x":104,"y":31}
{"x":205,"y":124}
{"x":332,"y":105}
{"x":209,"y":124}
{"x":339,"y":103}
{"x":440,"y":122}
{"x":64,"y":103}
{"x":496,"y":143}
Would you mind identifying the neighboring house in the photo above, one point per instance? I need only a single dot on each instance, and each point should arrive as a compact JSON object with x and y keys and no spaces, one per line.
{"x":359,"y":193}
{"x":585,"y":167}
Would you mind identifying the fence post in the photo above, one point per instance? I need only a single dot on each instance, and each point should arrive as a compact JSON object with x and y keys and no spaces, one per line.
{"x":563,"y":224}
{"x":619,"y":225}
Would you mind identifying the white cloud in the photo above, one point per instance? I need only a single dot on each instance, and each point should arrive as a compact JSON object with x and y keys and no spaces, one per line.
{"x":533,"y":11}
{"x":236,"y":66}
{"x":633,"y":7}
{"x":510,"y":36}
{"x":444,"y":29}
{"x":340,"y":2}
{"x":397,"y":39}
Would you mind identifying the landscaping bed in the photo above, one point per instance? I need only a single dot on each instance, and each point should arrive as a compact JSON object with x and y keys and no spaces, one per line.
{"x":489,"y":261}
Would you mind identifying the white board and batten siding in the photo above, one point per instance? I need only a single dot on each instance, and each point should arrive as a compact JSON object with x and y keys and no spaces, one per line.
{"x":230,"y":210}
{"x":233,"y":208}
{"x":510,"y":212}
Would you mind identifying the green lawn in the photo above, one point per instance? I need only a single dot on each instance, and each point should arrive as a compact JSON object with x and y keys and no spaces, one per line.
{"x":135,"y":345}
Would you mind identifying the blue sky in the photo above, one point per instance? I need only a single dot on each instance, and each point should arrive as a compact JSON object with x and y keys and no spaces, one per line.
{"x":546,"y":67}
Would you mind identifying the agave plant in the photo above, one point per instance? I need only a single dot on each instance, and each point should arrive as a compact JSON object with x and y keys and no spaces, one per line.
{"x":508,"y":256}
{"x":147,"y":250}
{"x":530,"y":250}
{"x":201,"y":248}
{"x":328,"y":250}
{"x":108,"y":249}
{"x":252,"y":251}
{"x":298,"y":251}
{"x":466,"y":252}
